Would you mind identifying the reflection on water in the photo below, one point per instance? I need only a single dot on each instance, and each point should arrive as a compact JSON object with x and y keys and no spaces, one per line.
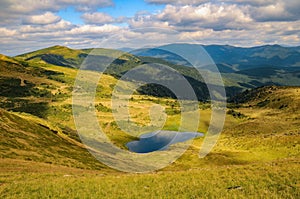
{"x":160,"y":140}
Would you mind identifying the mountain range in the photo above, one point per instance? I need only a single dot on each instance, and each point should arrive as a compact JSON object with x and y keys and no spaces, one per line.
{"x":42,"y":154}
{"x":241,"y":68}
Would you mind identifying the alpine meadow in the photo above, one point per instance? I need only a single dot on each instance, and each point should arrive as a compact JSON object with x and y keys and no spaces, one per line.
{"x":149,"y":99}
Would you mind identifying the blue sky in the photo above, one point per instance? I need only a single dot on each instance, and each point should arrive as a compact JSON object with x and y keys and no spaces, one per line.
{"x":70,"y":14}
{"x":87,"y":23}
{"x":130,"y":8}
{"x":119,"y":9}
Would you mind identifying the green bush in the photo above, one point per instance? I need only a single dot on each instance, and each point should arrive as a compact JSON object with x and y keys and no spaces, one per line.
{"x":100,"y":107}
{"x":236,"y":114}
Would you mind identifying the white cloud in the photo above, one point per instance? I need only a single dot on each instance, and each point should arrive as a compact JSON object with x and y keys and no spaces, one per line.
{"x":26,"y":6}
{"x":62,"y":25}
{"x":94,"y":30}
{"x":46,"y":18}
{"x":4,"y":32}
{"x":277,"y":10}
{"x":196,"y":35}
{"x":273,"y":12}
{"x":235,"y":22}
{"x":253,"y":2}
{"x":189,"y":18}
{"x":260,"y":10}
{"x":12,"y":11}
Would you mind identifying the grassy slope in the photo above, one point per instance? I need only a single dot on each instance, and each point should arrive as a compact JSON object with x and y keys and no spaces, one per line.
{"x":121,"y":63}
{"x":259,"y":152}
{"x":25,"y":137}
{"x":272,"y":180}
{"x":59,"y":55}
{"x":59,"y":50}
{"x":73,"y":58}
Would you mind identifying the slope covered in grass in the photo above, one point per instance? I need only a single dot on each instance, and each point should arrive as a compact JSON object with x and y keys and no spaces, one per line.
{"x":56,"y":55}
{"x":257,"y":154}
{"x":73,"y":58}
{"x":24,"y":137}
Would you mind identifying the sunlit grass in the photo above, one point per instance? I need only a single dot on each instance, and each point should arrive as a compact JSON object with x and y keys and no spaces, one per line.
{"x":257,"y":156}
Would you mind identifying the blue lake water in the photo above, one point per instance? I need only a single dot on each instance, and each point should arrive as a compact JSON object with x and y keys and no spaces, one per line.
{"x":160,"y":140}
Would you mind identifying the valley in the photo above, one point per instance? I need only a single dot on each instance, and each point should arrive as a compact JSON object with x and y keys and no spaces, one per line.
{"x":257,"y":154}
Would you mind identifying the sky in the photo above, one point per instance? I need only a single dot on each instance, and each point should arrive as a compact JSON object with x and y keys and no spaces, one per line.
{"x":27,"y":25}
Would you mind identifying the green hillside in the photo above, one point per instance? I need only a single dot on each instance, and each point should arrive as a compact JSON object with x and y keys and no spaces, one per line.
{"x":116,"y":62}
{"x":256,"y":156}
{"x":73,"y":58}
{"x":56,"y":55}
{"x":241,"y":68}
{"x":30,"y":88}
{"x":24,"y":137}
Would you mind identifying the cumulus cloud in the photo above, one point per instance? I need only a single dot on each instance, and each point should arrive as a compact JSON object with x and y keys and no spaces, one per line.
{"x":4,"y":32}
{"x":247,"y":38}
{"x":46,"y":18}
{"x":234,"y":22}
{"x":216,"y":17}
{"x":26,"y":6}
{"x":92,"y":29}
{"x":253,"y":2}
{"x":260,"y":10}
{"x":270,"y":10}
{"x":274,"y":12}
{"x":11,"y":11}
{"x":62,"y":25}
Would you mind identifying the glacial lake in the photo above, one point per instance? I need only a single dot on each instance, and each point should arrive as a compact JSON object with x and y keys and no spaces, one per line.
{"x":160,"y":140}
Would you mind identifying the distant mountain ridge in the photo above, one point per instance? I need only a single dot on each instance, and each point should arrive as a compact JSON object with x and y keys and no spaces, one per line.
{"x":238,"y":58}
{"x":241,"y":68}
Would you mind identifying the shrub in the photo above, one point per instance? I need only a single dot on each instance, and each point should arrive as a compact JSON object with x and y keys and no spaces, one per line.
{"x":236,"y":114}
{"x":102,"y":108}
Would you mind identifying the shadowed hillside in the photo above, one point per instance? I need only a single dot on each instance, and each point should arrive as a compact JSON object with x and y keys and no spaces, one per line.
{"x":24,"y":137}
{"x":271,"y":97}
